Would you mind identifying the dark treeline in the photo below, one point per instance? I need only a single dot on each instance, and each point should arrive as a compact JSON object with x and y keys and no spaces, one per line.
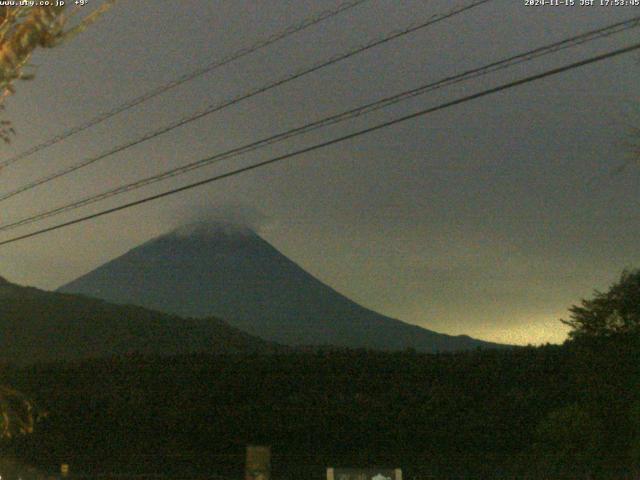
{"x":570,"y":411}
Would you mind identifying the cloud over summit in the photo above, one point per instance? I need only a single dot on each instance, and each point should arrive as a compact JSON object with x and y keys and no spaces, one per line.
{"x":211,"y":219}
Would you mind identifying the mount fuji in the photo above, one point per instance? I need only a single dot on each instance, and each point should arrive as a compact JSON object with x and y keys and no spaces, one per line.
{"x":230,"y":272}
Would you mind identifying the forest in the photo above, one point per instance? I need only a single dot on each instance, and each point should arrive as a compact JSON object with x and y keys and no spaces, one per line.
{"x":569,"y":411}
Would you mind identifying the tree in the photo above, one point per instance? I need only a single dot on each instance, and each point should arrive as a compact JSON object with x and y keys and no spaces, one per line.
{"x":634,"y":451}
{"x":25,"y":28}
{"x":612,"y":313}
{"x":22,"y":30}
{"x":568,"y":443}
{"x":17,"y":412}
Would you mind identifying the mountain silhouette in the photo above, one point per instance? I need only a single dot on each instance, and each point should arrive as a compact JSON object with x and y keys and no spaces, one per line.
{"x":40,"y":326}
{"x":230,"y":272}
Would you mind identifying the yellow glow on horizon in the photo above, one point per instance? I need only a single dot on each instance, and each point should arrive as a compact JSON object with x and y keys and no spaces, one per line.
{"x":535,"y":331}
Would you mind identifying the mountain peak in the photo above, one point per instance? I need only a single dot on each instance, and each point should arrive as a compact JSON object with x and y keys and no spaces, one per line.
{"x":212,"y":229}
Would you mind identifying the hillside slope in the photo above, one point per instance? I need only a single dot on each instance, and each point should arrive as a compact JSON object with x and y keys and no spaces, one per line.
{"x":43,"y":326}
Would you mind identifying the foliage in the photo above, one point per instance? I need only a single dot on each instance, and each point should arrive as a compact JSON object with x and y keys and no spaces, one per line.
{"x":22,"y":30}
{"x":615,"y":312}
{"x":25,"y":28}
{"x":484,"y":414}
{"x":10,"y":469}
{"x":634,"y":420}
{"x":569,"y":441}
{"x":17,"y":415}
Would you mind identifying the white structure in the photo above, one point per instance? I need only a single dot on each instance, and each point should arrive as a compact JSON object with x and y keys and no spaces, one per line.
{"x":364,"y":473}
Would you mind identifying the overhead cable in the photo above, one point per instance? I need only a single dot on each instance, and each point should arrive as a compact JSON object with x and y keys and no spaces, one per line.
{"x":317,"y":146}
{"x":227,"y":103}
{"x":333,"y":119}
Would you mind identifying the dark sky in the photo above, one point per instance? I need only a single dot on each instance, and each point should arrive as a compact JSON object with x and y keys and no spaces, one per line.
{"x":489,"y":218}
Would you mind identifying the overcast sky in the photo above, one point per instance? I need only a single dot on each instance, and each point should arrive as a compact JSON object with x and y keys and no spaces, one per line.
{"x":489,"y":218}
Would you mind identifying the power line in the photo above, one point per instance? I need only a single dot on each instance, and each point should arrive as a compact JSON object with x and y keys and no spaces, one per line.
{"x":306,"y":23}
{"x":334,"y":141}
{"x":220,"y":106}
{"x":333,"y":119}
